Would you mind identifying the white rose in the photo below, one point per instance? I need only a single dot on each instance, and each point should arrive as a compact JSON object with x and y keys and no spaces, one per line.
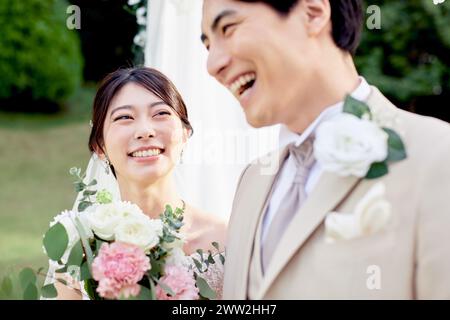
{"x":105,"y":219}
{"x":371,"y":215}
{"x":348,"y":145}
{"x":140,"y":231}
{"x":133,"y":2}
{"x":129,"y":209}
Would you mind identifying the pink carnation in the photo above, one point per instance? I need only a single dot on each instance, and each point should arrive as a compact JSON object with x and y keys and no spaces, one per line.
{"x":118,"y":268}
{"x":181,"y":281}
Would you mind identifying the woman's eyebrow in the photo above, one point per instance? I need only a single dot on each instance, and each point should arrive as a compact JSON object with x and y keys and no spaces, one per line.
{"x":128,"y":107}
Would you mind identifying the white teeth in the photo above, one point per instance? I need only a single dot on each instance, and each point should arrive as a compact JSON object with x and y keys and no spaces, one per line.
{"x":146,"y":153}
{"x":240,"y":82}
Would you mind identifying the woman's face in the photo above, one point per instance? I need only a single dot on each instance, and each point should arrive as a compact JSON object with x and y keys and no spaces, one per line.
{"x":143,"y":137}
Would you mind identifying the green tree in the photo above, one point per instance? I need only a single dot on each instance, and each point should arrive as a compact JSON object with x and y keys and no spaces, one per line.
{"x":409,"y":57}
{"x":40,"y":58}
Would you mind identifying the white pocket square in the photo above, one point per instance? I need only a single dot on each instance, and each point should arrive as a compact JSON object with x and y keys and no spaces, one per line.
{"x":371,"y":215}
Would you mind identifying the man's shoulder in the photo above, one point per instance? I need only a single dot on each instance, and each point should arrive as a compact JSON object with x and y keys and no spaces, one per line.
{"x":418,"y":131}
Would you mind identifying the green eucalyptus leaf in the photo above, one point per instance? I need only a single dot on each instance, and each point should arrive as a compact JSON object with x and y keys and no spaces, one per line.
{"x":356,"y":107}
{"x":156,"y":269}
{"x":215,"y":245}
{"x":89,"y":192}
{"x":377,"y":170}
{"x":152,"y":290}
{"x":49,"y":291}
{"x":83,"y":205}
{"x":198,"y":265}
{"x":27,"y":276}
{"x":211,"y":259}
{"x":396,"y":147}
{"x":79,"y":186}
{"x":98,"y":244}
{"x":222,"y":258}
{"x":85,"y":242}
{"x":56,"y":241}
{"x":76,"y":255}
{"x":84,"y":272}
{"x":200,"y":253}
{"x":31,"y":292}
{"x":62,"y":270}
{"x":204,"y":289}
{"x":166,"y":289}
{"x":93,"y":183}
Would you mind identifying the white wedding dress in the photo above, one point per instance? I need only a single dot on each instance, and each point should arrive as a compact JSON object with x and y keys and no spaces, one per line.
{"x":106,"y":180}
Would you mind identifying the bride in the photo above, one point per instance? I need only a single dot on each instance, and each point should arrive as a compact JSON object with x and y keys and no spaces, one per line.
{"x":140,"y":126}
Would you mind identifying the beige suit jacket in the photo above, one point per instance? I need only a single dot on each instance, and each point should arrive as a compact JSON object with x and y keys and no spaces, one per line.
{"x":411,"y":256}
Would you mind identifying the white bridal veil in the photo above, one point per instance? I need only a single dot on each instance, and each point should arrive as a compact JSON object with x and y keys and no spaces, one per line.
{"x":223,"y":143}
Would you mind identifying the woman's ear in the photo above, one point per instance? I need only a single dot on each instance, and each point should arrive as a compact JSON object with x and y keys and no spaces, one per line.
{"x":186,"y":134}
{"x":100,"y":153}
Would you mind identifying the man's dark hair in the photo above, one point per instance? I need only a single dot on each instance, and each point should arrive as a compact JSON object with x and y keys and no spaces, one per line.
{"x":346,"y":19}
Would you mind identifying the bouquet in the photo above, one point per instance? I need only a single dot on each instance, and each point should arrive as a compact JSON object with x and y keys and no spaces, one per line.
{"x":115,"y":251}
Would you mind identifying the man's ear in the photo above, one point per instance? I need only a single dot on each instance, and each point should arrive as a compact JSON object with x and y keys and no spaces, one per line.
{"x":317,"y":14}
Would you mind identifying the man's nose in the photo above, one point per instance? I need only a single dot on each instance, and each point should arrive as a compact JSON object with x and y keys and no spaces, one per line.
{"x":218,"y":61}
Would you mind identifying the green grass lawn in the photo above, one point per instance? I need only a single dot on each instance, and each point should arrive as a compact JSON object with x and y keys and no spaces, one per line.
{"x":36,"y":153}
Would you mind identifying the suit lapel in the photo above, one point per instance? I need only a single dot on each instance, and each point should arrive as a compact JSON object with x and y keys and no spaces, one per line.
{"x":329,"y":192}
{"x":250,"y":212}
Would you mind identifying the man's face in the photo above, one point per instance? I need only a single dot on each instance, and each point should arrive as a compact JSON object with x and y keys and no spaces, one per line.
{"x":265,"y":59}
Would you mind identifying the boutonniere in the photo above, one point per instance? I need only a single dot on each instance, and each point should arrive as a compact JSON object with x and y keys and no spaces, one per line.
{"x":353,"y":143}
{"x":371,"y":215}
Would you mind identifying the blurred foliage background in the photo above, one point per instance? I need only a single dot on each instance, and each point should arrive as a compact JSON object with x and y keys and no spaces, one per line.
{"x":409,"y":57}
{"x":48,"y":77}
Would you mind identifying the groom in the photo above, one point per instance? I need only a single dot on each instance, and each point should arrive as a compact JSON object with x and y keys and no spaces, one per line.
{"x":318,"y":227}
{"x":324,"y":226}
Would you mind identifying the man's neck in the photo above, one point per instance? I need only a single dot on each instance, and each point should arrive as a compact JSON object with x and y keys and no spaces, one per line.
{"x":333,"y":82}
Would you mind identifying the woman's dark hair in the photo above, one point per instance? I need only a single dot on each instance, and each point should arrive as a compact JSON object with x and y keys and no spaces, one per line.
{"x":151,"y":79}
{"x":346,"y":19}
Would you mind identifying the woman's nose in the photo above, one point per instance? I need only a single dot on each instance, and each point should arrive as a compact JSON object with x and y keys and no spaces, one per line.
{"x":144,"y":131}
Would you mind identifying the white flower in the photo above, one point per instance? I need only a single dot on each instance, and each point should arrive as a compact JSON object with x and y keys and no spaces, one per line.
{"x":67,"y":219}
{"x":129,"y":209}
{"x":140,"y":16}
{"x":133,"y":2}
{"x":104,"y":220}
{"x":140,"y":231}
{"x":140,"y":38}
{"x":371,"y":215}
{"x":348,"y":145}
{"x":177,"y":257}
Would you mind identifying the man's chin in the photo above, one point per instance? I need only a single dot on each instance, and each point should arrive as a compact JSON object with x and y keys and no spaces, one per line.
{"x":258,"y":120}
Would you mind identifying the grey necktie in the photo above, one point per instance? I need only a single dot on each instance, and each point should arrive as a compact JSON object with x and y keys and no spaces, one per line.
{"x":295,"y":197}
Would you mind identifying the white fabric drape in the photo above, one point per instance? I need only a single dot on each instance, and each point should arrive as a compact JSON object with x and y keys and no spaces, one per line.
{"x":223,"y":143}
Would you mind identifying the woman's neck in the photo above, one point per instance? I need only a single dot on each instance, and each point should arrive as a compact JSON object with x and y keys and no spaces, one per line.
{"x":152,"y":198}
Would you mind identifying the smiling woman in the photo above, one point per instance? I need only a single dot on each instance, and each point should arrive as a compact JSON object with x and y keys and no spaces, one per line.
{"x":140,"y":126}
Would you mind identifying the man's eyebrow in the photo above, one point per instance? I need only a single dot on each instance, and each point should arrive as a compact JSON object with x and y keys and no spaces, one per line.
{"x":154,"y":104}
{"x":216,"y":22}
